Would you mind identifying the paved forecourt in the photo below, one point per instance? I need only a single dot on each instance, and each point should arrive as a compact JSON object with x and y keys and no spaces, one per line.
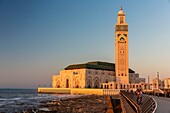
{"x":163,"y":104}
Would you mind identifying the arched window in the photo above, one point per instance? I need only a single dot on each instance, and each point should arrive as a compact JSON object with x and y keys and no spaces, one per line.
{"x":107,"y":86}
{"x":122,"y":39}
{"x":77,"y":83}
{"x":116,"y":86}
{"x":121,"y":20}
{"x":58,"y":84}
{"x":137,"y":86}
{"x":145,"y":86}
{"x":67,"y":83}
{"x":89,"y":82}
{"x":106,"y":80}
{"x":96,"y":83}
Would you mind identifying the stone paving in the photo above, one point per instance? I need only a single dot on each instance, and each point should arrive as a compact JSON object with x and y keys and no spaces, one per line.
{"x":163,"y":104}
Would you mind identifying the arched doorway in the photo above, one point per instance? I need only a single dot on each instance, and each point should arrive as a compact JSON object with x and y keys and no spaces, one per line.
{"x":96,"y":82}
{"x":67,"y":83}
{"x":89,"y":82}
{"x":77,"y":83}
{"x":121,"y":86}
{"x":106,"y":80}
{"x":107,"y":86}
{"x":58,"y":84}
{"x":116,"y":86}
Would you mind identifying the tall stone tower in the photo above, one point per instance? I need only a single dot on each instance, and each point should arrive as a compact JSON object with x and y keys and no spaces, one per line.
{"x":121,"y":46}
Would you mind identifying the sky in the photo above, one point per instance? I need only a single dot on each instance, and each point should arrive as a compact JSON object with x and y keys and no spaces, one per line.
{"x":38,"y":38}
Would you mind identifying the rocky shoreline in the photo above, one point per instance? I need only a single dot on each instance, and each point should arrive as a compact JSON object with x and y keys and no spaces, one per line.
{"x":80,"y":104}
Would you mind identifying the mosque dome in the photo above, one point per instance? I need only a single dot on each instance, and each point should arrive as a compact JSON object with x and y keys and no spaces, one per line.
{"x":121,"y":11}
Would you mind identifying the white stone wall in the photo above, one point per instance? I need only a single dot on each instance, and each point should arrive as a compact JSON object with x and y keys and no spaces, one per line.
{"x":82,"y":78}
{"x":142,"y":79}
{"x":55,"y":81}
{"x":95,"y":78}
{"x":133,"y":78}
{"x":73,"y":78}
{"x":166,"y":83}
{"x":155,"y":84}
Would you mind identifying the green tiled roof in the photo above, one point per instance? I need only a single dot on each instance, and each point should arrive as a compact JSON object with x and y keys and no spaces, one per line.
{"x":95,"y":65}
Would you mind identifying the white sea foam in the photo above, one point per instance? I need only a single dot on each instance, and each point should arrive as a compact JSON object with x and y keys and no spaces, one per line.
{"x":15,"y":98}
{"x":4,"y":99}
{"x":44,"y":109}
{"x":35,"y":97}
{"x":2,"y":103}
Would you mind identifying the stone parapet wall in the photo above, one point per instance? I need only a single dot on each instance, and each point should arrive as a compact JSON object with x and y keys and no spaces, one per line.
{"x":86,"y":91}
{"x":54,"y":90}
{"x":111,"y":91}
{"x":79,"y":91}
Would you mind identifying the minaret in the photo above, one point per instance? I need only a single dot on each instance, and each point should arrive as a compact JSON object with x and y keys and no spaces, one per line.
{"x":121,"y":46}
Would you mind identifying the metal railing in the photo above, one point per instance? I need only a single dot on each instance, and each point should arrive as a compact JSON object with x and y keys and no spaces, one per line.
{"x":134,"y":105}
{"x":149,"y":105}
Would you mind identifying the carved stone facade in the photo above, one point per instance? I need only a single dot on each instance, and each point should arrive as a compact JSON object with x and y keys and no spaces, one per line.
{"x":121,"y":49}
{"x":135,"y":79}
{"x":82,"y":78}
{"x":155,"y":84}
{"x":102,"y":74}
{"x":166,"y":83}
{"x":88,"y":75}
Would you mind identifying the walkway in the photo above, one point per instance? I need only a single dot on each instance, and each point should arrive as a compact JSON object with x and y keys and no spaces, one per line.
{"x":127,"y":106}
{"x":163,"y":104}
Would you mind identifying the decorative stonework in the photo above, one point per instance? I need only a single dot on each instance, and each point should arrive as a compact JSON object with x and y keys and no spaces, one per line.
{"x":121,"y":28}
{"x":121,"y":49}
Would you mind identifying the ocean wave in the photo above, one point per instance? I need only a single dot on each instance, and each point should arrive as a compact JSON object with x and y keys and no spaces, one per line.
{"x":35,"y":97}
{"x":4,"y":99}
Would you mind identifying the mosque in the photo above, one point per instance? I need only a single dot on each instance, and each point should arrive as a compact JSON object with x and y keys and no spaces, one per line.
{"x":99,"y":74}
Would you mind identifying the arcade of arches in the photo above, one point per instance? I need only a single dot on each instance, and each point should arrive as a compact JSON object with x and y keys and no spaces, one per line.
{"x":82,"y":78}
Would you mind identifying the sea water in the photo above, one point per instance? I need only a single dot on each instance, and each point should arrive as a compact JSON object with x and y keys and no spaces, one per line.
{"x":15,"y":100}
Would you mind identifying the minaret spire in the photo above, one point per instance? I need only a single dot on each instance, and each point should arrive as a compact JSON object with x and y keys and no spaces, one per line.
{"x":121,"y":7}
{"x":121,"y":49}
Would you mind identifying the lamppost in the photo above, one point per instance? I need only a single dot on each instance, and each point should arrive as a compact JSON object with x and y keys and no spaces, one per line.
{"x":164,"y":90}
{"x":158,"y":82}
{"x":168,"y":90}
{"x":147,"y":88}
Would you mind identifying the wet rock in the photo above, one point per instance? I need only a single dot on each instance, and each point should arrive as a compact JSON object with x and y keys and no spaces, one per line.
{"x":82,"y":104}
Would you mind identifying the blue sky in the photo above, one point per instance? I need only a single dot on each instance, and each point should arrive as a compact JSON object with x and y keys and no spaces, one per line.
{"x":39,"y":38}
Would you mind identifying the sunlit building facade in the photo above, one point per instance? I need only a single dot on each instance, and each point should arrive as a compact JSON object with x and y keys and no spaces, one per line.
{"x":87,"y":75}
{"x":166,"y":82}
{"x":121,"y":49}
{"x":103,"y":74}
